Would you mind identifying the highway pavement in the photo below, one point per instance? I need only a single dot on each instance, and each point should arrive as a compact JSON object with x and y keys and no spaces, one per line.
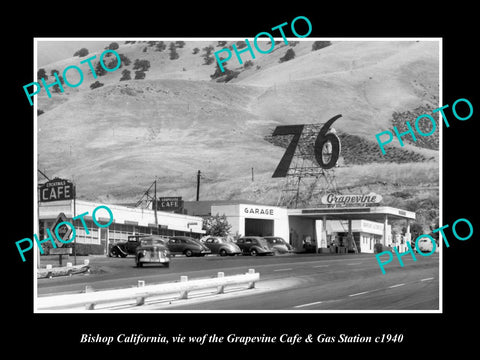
{"x":294,"y":283}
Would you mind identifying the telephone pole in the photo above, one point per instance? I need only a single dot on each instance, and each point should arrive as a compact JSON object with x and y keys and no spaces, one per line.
{"x":155,"y":203}
{"x":198,"y":185}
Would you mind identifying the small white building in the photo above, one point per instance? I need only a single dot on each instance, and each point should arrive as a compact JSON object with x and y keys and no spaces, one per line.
{"x":255,"y":220}
{"x":365,"y":233}
{"x":126,"y":221}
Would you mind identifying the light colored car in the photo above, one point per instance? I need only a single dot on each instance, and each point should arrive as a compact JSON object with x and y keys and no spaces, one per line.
{"x":222,"y":246}
{"x":152,"y":250}
{"x":279,"y":245}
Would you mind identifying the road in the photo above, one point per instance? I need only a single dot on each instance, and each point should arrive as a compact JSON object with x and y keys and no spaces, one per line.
{"x":305,"y":282}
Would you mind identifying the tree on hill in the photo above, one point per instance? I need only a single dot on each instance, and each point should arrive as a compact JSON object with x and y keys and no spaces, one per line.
{"x":289,"y":55}
{"x":207,"y":58}
{"x":96,"y":84}
{"x":81,"y":53}
{"x":125,"y":75}
{"x":180,"y":44}
{"x":56,"y":88}
{"x":124,"y":60}
{"x":112,"y":46}
{"x":41,"y":73}
{"x":317,"y":45}
{"x":225,"y":76}
{"x":99,"y":70}
{"x":160,"y":46}
{"x":139,"y":75}
{"x":142,"y":65}
{"x":173,"y":51}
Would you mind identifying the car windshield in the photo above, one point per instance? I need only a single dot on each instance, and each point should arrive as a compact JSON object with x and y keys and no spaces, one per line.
{"x":148,"y":242}
{"x":263,"y":242}
{"x":276,"y":240}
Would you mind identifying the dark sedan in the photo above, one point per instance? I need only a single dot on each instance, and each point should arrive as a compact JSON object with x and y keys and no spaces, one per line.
{"x":254,"y":245}
{"x":152,"y":250}
{"x":279,"y":244}
{"x":187,"y":246}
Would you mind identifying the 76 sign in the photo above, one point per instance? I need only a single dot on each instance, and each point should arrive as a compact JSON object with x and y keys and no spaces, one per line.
{"x":326,"y":149}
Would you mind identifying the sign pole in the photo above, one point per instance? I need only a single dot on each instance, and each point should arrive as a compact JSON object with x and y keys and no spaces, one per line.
{"x":74,"y":215}
{"x":155,"y":203}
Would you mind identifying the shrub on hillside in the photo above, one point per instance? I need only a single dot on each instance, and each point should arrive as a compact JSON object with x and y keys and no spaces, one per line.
{"x":112,"y":46}
{"x":195,"y":51}
{"x":125,"y":75}
{"x":207,"y":58}
{"x":139,"y":75}
{"x":225,"y":76}
{"x":247,"y":64}
{"x":317,"y":45}
{"x":180,"y":44}
{"x":96,"y":84}
{"x":124,"y":60}
{"x":99,"y":70}
{"x":289,"y":55}
{"x":41,"y":73}
{"x":221,"y":43}
{"x":56,"y":88}
{"x":81,"y":53}
{"x":143,"y":65}
{"x":173,"y":52}
{"x":160,"y":46}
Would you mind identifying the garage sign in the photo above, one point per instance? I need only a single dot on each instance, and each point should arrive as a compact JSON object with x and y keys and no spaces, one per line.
{"x":57,"y":189}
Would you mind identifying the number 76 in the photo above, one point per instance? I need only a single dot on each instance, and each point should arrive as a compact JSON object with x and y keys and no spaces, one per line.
{"x":323,"y":138}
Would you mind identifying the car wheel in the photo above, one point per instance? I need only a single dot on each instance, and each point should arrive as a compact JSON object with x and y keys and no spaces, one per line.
{"x":188,"y":253}
{"x":166,"y":265}
{"x":114,"y":252}
{"x":139,"y":263}
{"x":223,"y":252}
{"x":253,"y":252}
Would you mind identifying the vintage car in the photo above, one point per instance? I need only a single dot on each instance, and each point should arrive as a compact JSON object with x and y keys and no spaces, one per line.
{"x":126,"y":247}
{"x":279,"y":245}
{"x":153,"y":250}
{"x":254,"y":245}
{"x":187,"y":246}
{"x":222,"y":246}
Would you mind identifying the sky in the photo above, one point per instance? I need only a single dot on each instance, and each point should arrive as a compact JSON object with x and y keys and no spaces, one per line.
{"x":50,"y":51}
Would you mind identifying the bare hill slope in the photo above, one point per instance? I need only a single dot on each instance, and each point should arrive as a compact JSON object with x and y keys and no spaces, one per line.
{"x":115,"y":139}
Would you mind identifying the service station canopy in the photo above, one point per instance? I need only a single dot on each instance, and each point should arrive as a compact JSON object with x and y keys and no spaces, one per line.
{"x":374,"y":213}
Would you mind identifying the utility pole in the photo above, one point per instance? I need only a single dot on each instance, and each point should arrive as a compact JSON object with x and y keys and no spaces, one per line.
{"x":198,"y":185}
{"x":155,"y":203}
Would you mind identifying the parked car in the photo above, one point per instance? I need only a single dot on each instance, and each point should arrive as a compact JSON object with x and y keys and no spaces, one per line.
{"x":187,"y":246}
{"x":254,"y":245}
{"x":279,"y":244}
{"x":222,"y":246}
{"x":125,"y":248}
{"x":154,"y":250}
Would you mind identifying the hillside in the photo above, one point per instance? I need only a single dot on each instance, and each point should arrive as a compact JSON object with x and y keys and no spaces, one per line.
{"x":114,"y":140}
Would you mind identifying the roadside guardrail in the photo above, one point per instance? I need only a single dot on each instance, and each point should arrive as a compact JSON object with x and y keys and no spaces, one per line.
{"x":89,"y":300}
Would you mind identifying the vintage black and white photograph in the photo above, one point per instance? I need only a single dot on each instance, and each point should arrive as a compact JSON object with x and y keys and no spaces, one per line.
{"x":281,"y":175}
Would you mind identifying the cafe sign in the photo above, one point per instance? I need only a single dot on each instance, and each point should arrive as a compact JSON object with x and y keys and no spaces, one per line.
{"x":57,"y":189}
{"x":340,"y":200}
